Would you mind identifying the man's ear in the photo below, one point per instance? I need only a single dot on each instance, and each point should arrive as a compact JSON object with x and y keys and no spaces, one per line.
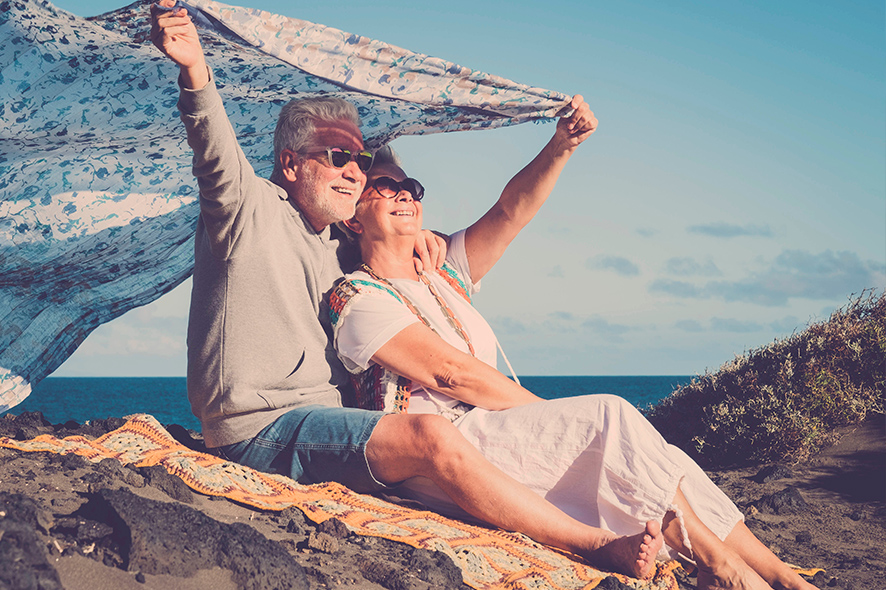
{"x":289,"y":163}
{"x":354,"y":225}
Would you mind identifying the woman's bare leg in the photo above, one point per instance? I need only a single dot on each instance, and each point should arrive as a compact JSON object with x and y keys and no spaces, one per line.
{"x":720,"y":567}
{"x":404,"y":446}
{"x":765,"y":562}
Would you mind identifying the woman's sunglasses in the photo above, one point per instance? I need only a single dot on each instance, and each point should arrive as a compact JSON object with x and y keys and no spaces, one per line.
{"x":339,"y":157}
{"x":390,"y":188}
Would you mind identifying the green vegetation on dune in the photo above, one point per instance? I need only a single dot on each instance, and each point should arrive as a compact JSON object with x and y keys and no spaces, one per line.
{"x":783,"y":401}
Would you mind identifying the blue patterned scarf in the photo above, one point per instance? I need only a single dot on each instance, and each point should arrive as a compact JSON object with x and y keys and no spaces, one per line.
{"x":97,"y":203}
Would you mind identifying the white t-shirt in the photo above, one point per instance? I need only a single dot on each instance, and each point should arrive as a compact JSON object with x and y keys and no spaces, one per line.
{"x":373,"y":316}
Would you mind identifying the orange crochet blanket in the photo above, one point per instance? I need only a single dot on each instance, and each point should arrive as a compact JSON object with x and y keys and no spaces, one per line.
{"x":489,"y":558}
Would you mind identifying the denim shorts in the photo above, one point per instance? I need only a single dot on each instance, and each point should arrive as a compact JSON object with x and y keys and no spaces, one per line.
{"x":313,"y":444}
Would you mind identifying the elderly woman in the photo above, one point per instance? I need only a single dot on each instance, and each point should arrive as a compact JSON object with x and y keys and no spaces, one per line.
{"x":417,"y":345}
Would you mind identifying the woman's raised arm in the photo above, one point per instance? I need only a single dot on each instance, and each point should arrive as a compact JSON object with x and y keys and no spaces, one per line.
{"x":487,"y":239}
{"x":418,"y":354}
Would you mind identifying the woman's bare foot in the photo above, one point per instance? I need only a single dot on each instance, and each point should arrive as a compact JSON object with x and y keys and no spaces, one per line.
{"x":632,"y":555}
{"x":758,"y":556}
{"x":727,"y":576}
{"x":792,"y":581}
{"x":729,"y":572}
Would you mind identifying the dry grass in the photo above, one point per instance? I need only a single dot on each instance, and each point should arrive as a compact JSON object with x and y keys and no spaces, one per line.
{"x":782,"y":402}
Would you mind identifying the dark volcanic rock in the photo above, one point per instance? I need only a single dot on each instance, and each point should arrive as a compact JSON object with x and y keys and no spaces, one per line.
{"x":7,"y":425}
{"x":293,"y":520}
{"x":175,"y":488}
{"x":391,"y":576}
{"x":334,"y":528}
{"x":23,"y":509}
{"x":787,"y":501}
{"x":97,"y":481}
{"x":70,"y":462}
{"x":33,"y":420}
{"x":92,"y":429}
{"x":81,"y":530}
{"x":166,"y":538}
{"x":435,"y":567}
{"x":399,"y":567}
{"x":117,"y":472}
{"x":612,"y":583}
{"x":772,"y":473}
{"x":23,"y":564}
{"x":25,"y":426}
{"x":323,"y":542}
{"x":186,"y":437}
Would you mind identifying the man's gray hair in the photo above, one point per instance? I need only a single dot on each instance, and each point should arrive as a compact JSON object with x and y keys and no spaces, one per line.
{"x":296,"y":124}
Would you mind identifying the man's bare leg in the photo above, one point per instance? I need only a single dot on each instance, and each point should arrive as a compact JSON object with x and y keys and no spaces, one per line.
{"x":404,"y":446}
{"x":720,"y":567}
{"x":765,"y":562}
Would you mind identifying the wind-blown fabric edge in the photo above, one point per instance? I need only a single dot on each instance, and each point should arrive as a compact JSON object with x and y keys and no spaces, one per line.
{"x":97,"y":203}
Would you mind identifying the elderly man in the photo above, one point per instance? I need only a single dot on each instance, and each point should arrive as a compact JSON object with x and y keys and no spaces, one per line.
{"x":263,"y":377}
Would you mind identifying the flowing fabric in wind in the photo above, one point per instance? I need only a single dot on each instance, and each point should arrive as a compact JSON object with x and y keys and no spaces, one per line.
{"x":97,"y":203}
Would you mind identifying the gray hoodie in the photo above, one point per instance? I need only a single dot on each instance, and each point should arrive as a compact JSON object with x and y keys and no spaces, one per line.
{"x":258,"y":333}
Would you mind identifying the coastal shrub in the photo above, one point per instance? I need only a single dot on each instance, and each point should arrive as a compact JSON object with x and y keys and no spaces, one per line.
{"x":783,"y":401}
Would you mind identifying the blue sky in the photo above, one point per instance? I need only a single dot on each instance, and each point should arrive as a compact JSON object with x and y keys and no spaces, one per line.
{"x":734,"y":192}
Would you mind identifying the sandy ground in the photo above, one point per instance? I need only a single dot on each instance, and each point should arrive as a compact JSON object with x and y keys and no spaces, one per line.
{"x":833,"y":509}
{"x":828,"y":513}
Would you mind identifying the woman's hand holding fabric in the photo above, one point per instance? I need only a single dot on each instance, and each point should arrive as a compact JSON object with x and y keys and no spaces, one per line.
{"x":573,"y":129}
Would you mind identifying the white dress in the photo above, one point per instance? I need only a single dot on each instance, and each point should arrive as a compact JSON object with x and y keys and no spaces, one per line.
{"x":594,"y":456}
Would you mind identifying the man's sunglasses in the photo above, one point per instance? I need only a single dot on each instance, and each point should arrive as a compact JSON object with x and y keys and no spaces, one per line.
{"x":390,"y":188}
{"x":339,"y":157}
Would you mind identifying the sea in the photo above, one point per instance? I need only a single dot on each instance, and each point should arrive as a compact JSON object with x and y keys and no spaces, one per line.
{"x":81,"y":399}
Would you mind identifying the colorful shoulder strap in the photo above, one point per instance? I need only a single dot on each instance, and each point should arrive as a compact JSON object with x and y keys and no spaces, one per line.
{"x":451,"y":276}
{"x":345,"y":291}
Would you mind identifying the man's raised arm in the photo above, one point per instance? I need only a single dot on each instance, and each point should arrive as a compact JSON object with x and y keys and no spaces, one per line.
{"x":173,"y":33}
{"x":220,"y":166}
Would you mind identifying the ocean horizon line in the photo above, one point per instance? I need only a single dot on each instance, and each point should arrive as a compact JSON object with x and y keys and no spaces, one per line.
{"x":526,"y":375}
{"x":84,"y":397}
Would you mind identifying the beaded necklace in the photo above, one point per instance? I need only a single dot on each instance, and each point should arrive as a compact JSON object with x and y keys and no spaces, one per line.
{"x":450,"y":316}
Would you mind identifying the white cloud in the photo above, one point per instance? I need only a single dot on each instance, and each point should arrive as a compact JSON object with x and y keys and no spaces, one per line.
{"x":149,"y":340}
{"x":617,"y":264}
{"x":689,"y":326}
{"x":174,"y":304}
{"x":680,"y":289}
{"x":793,"y":274}
{"x":687,"y":266}
{"x":729,"y":230}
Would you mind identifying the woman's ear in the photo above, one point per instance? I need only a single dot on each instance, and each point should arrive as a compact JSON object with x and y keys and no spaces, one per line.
{"x":289,"y":164}
{"x":354,"y":225}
